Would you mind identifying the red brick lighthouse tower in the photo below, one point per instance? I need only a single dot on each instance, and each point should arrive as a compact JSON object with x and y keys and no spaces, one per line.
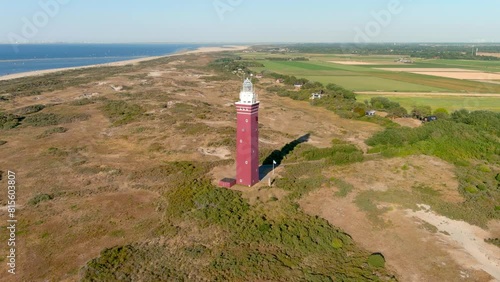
{"x":247,"y":137}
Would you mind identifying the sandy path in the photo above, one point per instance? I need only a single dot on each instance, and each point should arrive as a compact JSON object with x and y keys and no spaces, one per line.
{"x":426,"y":69}
{"x":123,"y":63}
{"x":353,"y":63}
{"x":467,"y":237}
{"x":423,"y":94}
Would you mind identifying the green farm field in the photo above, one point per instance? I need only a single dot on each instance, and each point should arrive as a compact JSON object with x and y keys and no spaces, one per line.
{"x":372,"y":83}
{"x":451,"y":103}
{"x":369,"y":77}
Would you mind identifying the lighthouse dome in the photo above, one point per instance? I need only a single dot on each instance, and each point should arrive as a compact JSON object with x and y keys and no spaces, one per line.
{"x":247,"y":86}
{"x":247,"y":95}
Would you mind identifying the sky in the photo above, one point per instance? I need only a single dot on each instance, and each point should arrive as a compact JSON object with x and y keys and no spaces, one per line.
{"x":249,"y":21}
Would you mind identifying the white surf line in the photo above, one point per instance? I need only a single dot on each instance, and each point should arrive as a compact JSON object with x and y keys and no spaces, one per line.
{"x":467,"y":237}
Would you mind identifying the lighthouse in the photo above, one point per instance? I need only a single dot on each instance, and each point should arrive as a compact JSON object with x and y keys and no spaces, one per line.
{"x":247,"y":136}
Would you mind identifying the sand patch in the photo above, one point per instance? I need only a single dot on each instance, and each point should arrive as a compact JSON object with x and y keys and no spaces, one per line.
{"x":411,"y":250}
{"x":488,"y":54}
{"x":466,"y":238}
{"x":408,"y":122}
{"x":156,"y":74}
{"x":463,"y":75}
{"x":489,"y":81}
{"x":221,"y":152}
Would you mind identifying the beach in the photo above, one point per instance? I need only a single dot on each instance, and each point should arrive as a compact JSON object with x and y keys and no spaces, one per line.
{"x":126,"y":62}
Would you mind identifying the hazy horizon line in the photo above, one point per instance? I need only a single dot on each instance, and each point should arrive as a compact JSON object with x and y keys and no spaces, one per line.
{"x":250,"y":43}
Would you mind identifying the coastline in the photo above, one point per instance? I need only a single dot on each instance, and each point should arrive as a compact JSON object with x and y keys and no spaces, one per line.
{"x":125,"y":62}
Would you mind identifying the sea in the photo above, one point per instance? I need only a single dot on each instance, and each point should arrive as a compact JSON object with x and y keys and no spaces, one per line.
{"x":33,"y":57}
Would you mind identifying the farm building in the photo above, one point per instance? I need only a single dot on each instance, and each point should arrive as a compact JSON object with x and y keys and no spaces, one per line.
{"x":315,"y":96}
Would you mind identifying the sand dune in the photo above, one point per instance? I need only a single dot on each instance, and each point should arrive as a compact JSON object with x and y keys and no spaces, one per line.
{"x":126,"y":62}
{"x":467,"y":238}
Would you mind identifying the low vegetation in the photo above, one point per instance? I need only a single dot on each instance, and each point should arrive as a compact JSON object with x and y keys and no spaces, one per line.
{"x":234,"y":65}
{"x":451,"y":140}
{"x":451,"y":51}
{"x":258,"y":245}
{"x":48,"y":119}
{"x":52,"y":131}
{"x":121,"y":112}
{"x":82,"y":102}
{"x":39,"y":199}
{"x":9,"y":121}
{"x":31,"y":86}
{"x":30,"y":110}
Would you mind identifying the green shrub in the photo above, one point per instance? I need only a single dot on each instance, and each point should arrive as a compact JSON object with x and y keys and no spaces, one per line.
{"x":471,"y":189}
{"x":30,"y":110}
{"x":40,"y":198}
{"x":376,"y":260}
{"x":481,"y":187}
{"x":448,"y":140}
{"x":104,"y":268}
{"x":338,"y":154}
{"x":82,"y":102}
{"x":482,"y":120}
{"x":9,"y":121}
{"x":441,"y":113}
{"x":337,"y":243}
{"x":43,"y":119}
{"x":57,"y":152}
{"x":48,"y":119}
{"x":121,"y":112}
{"x":494,"y":241}
{"x":383,"y":103}
{"x":484,"y":168}
{"x":421,"y":111}
{"x":51,"y":131}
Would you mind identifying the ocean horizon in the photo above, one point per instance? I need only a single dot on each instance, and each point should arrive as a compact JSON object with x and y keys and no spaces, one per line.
{"x":37,"y":57}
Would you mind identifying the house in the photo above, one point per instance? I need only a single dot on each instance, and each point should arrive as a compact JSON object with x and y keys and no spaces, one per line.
{"x":315,"y":96}
{"x":298,"y":85}
{"x":371,"y":113}
{"x":404,"y":61}
{"x":280,"y":80}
